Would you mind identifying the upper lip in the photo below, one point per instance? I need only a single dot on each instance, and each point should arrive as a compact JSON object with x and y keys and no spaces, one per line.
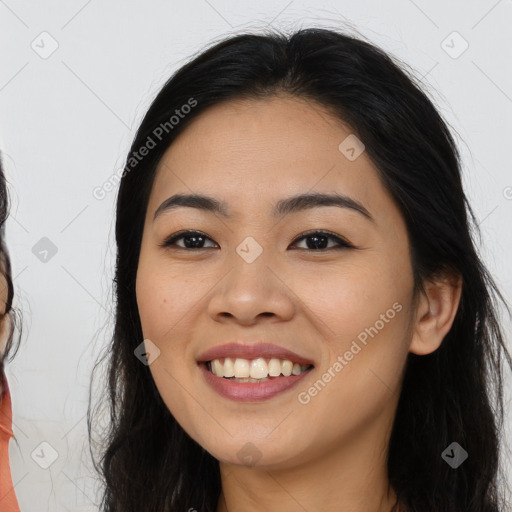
{"x":252,"y":351}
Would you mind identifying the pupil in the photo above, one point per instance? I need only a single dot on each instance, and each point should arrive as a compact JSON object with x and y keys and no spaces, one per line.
{"x":197,"y":241}
{"x":316,"y":244}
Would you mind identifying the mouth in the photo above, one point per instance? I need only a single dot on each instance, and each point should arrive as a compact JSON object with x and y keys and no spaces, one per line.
{"x":254,"y":372}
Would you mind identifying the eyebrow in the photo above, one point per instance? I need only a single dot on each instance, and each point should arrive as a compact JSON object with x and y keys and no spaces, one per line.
{"x":281,"y":208}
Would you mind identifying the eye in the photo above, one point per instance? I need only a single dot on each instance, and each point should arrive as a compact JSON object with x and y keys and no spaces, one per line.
{"x":192,"y":240}
{"x":319,"y":239}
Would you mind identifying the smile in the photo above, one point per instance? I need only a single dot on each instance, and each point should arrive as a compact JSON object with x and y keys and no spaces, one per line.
{"x":255,"y":370}
{"x":252,"y":372}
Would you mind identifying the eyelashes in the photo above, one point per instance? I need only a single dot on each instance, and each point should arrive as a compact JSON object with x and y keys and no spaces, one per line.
{"x":198,"y":238}
{"x":196,"y":235}
{"x":324,"y":235}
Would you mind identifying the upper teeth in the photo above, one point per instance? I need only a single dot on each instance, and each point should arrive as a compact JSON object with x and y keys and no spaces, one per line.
{"x":255,"y":368}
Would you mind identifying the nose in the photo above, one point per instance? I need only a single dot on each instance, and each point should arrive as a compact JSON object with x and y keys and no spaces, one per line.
{"x":250,"y":293}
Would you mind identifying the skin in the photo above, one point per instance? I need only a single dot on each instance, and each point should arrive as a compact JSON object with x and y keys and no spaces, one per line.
{"x":315,"y":302}
{"x":4,"y":319}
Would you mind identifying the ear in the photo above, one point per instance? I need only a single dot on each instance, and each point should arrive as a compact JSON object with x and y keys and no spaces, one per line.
{"x":435,"y":312}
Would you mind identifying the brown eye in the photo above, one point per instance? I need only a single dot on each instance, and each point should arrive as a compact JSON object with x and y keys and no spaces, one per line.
{"x":191,"y":240}
{"x":318,"y":240}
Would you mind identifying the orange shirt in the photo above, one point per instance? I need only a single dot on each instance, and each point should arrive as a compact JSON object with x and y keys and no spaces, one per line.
{"x":8,"y":501}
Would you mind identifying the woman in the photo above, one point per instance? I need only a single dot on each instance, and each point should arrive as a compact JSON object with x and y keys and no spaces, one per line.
{"x":8,"y":501}
{"x":303,"y":322}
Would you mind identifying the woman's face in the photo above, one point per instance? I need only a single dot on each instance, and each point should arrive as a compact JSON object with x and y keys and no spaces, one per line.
{"x":255,"y":279}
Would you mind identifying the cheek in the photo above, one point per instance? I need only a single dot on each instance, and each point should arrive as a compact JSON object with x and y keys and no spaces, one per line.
{"x":360,"y":373}
{"x":352,"y":299}
{"x":362,"y":317}
{"x":163,"y":300}
{"x":167,"y":304}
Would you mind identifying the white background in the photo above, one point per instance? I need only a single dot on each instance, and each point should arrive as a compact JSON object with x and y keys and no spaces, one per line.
{"x":66,"y":123}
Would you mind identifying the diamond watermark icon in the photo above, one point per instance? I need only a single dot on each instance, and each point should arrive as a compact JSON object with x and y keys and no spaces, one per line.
{"x":44,"y":455}
{"x":146,"y":352}
{"x":44,"y":45}
{"x":249,"y":249}
{"x":44,"y":250}
{"x":351,"y":147}
{"x":249,"y":454}
{"x":454,"y":455}
{"x":454,"y":45}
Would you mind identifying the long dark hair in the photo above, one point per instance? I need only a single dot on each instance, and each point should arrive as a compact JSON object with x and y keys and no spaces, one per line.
{"x":149,"y":463}
{"x":5,"y":267}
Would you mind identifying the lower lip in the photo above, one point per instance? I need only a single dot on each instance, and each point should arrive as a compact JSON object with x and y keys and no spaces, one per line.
{"x":250,"y":391}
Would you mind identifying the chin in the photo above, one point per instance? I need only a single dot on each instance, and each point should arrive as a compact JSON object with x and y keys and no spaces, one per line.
{"x":257,"y":453}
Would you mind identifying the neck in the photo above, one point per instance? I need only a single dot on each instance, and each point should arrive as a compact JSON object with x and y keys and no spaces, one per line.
{"x":351,"y":478}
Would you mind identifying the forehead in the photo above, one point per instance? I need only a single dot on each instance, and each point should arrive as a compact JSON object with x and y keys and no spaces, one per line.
{"x":254,"y":152}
